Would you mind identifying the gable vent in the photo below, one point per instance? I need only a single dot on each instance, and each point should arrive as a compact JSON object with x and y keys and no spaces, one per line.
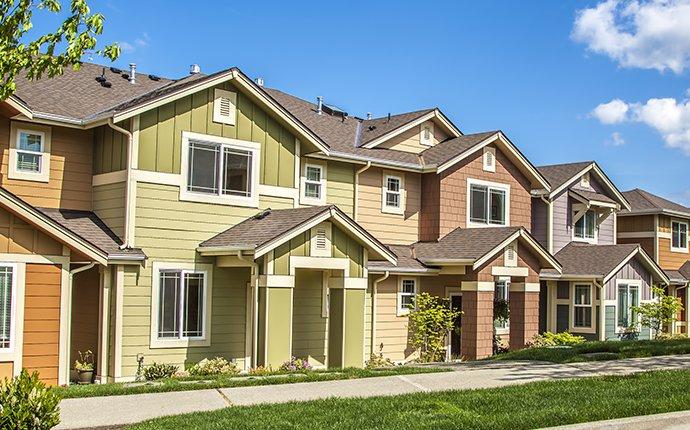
{"x":224,"y":107}
{"x":321,"y":239}
{"x":489,"y":159}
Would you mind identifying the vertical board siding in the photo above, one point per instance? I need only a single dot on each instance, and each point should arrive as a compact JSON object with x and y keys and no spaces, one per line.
{"x":633,"y":270}
{"x":340,"y":189}
{"x":109,"y":149}
{"x":69,"y":184}
{"x":562,"y":219}
{"x":309,"y":328}
{"x":160,"y":135}
{"x":109,"y":205}
{"x":345,"y":246}
{"x":42,"y":321}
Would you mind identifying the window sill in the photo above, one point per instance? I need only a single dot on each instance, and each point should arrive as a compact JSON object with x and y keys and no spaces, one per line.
{"x":392,"y":210}
{"x":28,"y":176}
{"x":680,"y":250}
{"x":472,"y":224}
{"x":585,"y":240}
{"x":402,"y":312}
{"x":249,"y":202}
{"x":179,"y":343}
{"x":586,"y":330}
{"x":311,"y":201}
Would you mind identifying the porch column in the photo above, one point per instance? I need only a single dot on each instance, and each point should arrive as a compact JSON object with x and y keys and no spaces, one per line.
{"x":477,"y":320}
{"x":103,"y":325}
{"x":346,"y":322}
{"x":524,"y":313}
{"x":275,"y":319}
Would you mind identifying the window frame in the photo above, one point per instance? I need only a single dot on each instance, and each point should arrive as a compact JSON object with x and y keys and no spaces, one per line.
{"x":503,"y":327}
{"x":589,"y":306}
{"x":505,"y":188}
{"x":385,"y":208}
{"x":687,"y":228}
{"x":308,"y":200}
{"x":594,"y":239}
{"x":43,"y":174}
{"x":401,"y":311}
{"x":628,"y":282}
{"x":254,"y":148}
{"x":181,"y":341}
{"x":7,"y":353}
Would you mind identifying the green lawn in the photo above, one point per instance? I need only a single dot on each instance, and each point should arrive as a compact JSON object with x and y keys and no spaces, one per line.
{"x":611,"y":350}
{"x":197,"y":383}
{"x":533,"y":405}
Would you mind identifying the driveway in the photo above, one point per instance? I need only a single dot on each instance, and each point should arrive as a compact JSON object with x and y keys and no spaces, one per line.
{"x":120,"y":410}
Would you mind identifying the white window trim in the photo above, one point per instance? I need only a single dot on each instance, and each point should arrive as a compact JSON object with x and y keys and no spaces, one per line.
{"x":217,"y":117}
{"x":423,"y":141}
{"x":400,"y":311}
{"x":205,"y":340}
{"x":504,"y":330}
{"x":496,"y":185}
{"x":591,"y":328}
{"x":595,"y":239}
{"x":251,"y":201}
{"x":629,"y":282}
{"x":8,"y":353}
{"x":485,"y":166}
{"x":311,"y":201}
{"x":384,"y":189}
{"x":687,"y":238}
{"x":13,"y":172}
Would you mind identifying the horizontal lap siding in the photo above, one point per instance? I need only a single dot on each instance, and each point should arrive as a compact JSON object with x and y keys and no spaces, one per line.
{"x":668,"y":259}
{"x":539,"y":221}
{"x":42,"y":321}
{"x":636,"y":223}
{"x":391,"y":330}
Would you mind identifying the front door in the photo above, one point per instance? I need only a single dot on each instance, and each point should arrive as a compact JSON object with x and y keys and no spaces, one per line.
{"x":456,"y":305}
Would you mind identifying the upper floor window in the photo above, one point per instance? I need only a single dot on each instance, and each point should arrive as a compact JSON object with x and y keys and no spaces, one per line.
{"x":392,"y":198}
{"x":30,"y":153}
{"x":586,"y":226}
{"x":679,"y":236}
{"x":220,"y":170}
{"x":407,"y":290}
{"x":488,"y":204}
{"x":314,"y":184}
{"x":582,"y":305}
{"x":427,"y":134}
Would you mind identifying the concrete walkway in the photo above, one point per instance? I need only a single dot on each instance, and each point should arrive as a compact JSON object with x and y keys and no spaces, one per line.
{"x":120,"y":410}
{"x":670,"y":421}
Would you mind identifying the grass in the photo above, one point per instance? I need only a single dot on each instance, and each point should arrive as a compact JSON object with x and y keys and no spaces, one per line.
{"x":528,"y":406}
{"x":611,"y":350}
{"x":196,"y":383}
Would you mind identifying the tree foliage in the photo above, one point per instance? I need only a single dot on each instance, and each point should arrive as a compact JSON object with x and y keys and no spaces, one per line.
{"x":26,"y":403}
{"x":46,"y":54}
{"x":430,"y":321}
{"x":659,"y":313}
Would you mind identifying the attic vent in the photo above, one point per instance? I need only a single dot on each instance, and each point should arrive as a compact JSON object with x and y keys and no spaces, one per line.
{"x":154,"y":78}
{"x":426,"y":137}
{"x":224,"y":107}
{"x":511,"y":255}
{"x":489,"y":159}
{"x":321,"y":240}
{"x":116,"y":70}
{"x":584,"y":181}
{"x":334,"y":111}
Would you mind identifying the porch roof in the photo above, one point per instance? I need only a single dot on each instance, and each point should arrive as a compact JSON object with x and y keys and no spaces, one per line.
{"x":676,"y":277}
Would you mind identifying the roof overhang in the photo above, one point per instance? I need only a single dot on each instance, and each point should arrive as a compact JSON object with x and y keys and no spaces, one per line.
{"x":668,"y":212}
{"x":593,"y":202}
{"x":435,"y":114}
{"x":526,"y":238}
{"x":600,"y":173}
{"x":646,"y":260}
{"x":512,"y":152}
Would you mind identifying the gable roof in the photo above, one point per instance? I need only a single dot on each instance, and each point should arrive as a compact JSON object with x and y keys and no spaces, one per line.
{"x":644,"y":202}
{"x":379,"y":130}
{"x":675,"y":277}
{"x":685,"y":270}
{"x":268,"y":229}
{"x":592,"y":197}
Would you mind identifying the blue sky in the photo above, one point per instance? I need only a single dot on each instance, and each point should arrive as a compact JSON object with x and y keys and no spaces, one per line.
{"x":514,"y":66}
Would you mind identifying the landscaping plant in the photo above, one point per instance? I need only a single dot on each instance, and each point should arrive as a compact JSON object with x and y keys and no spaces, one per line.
{"x":213,"y":366}
{"x":296,"y":364}
{"x":501,"y":314}
{"x":26,"y":403}
{"x":430,"y":321}
{"x":556,"y":339}
{"x":660,"y":313}
{"x":159,"y":371}
{"x":377,"y":361}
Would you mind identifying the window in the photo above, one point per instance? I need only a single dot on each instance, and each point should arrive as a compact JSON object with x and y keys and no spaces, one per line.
{"x":679,"y":236}
{"x":489,"y":159}
{"x":224,"y":110}
{"x":314,"y":184}
{"x":181,"y":303}
{"x":426,"y":137}
{"x":392,"y":195}
{"x":29,"y":151}
{"x":501,"y":293}
{"x":628,"y":296}
{"x":488,"y":205}
{"x":585,"y":227}
{"x":29,"y":157}
{"x":6,"y":291}
{"x":406,"y":294}
{"x":582,"y":306}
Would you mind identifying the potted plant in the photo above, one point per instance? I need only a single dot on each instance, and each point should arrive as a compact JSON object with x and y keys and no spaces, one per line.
{"x":84,"y":367}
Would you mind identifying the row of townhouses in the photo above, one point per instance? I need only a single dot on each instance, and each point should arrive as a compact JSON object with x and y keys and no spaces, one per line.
{"x":158,"y":220}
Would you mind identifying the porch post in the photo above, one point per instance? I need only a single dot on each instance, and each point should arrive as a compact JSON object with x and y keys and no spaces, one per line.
{"x":477,"y":319}
{"x":275,"y":319}
{"x":346,"y":322}
{"x":103,"y":325}
{"x":524,"y":313}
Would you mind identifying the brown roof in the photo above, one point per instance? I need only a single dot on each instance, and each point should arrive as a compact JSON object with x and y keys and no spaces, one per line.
{"x":445,"y":151}
{"x":676,"y":277}
{"x":77,"y":95}
{"x":463,"y":244}
{"x":644,"y":201}
{"x":406,"y":262}
{"x":377,"y":127}
{"x":591,"y":195}
{"x":685,"y":270}
{"x":597,"y":261}
{"x":92,"y":229}
{"x":559,"y":174}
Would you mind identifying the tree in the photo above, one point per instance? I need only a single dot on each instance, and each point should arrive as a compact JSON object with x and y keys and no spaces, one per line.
{"x":660,"y":312}
{"x":430,"y":321}
{"x":50,"y":53}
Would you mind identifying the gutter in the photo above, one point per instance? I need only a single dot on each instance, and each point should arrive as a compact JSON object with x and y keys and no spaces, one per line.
{"x":127,"y":240}
{"x":357,"y":172}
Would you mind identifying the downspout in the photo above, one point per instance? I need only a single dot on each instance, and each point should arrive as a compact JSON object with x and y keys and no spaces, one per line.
{"x":602,"y":310}
{"x":357,"y":172}
{"x":128,"y":184}
{"x":254,"y":276}
{"x":549,"y":223}
{"x":373,"y":309}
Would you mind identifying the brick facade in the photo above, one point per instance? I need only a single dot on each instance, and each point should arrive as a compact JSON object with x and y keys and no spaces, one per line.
{"x":524,"y":318}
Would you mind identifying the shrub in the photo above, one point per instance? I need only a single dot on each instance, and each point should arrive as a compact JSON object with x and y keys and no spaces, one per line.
{"x":296,"y":364}
{"x":260,"y":371}
{"x":26,"y":403}
{"x":669,"y":336}
{"x":659,"y":313}
{"x":556,"y":339}
{"x":159,"y":371}
{"x":377,"y":361}
{"x":213,"y":366}
{"x":430,"y":321}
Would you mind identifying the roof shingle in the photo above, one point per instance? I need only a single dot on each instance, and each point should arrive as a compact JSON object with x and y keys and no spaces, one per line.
{"x":559,"y":174}
{"x":644,"y":201}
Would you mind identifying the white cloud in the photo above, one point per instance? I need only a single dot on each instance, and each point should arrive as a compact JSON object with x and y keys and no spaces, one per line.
{"x":612,"y":112}
{"x":668,"y":116}
{"x":139,"y":42}
{"x":143,"y":41}
{"x":126,"y":48}
{"x":649,"y":34}
{"x":616,"y":139}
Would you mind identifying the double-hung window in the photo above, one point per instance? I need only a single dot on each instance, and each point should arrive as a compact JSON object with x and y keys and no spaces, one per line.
{"x":181,"y":304}
{"x":582,"y":305}
{"x":501,"y":294}
{"x":312,"y":182}
{"x":30,"y":147}
{"x":392,"y":194}
{"x":679,"y":236}
{"x":6,"y":292}
{"x":488,"y":205}
{"x":406,"y":294}
{"x":628,"y":296}
{"x":29,"y":152}
{"x":586,"y":226}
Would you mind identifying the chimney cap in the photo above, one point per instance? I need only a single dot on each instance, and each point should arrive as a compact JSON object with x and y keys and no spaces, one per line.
{"x":132,"y":73}
{"x":319,"y":105}
{"x":259,"y":81}
{"x":369,"y":115}
{"x":194,"y":69}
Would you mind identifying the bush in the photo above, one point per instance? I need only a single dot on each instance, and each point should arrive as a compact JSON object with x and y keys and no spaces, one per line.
{"x":260,"y":371}
{"x":556,"y":339}
{"x":377,"y":361}
{"x":295,"y":364}
{"x":213,"y":366}
{"x":159,"y":371}
{"x":430,"y":323}
{"x":26,"y":403}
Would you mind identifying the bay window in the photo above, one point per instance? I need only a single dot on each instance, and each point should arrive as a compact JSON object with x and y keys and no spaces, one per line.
{"x":488,"y":204}
{"x":585,"y":227}
{"x":628,"y":296}
{"x":679,"y":236}
{"x":582,"y":306}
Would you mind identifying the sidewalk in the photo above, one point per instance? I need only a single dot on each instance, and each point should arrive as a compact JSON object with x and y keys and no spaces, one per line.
{"x":120,"y":410}
{"x":669,"y":421}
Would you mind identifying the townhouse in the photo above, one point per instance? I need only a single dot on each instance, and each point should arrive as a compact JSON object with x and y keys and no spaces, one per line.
{"x":149,"y":219}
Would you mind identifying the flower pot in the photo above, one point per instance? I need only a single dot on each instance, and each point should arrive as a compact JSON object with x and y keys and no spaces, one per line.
{"x":84,"y":376}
